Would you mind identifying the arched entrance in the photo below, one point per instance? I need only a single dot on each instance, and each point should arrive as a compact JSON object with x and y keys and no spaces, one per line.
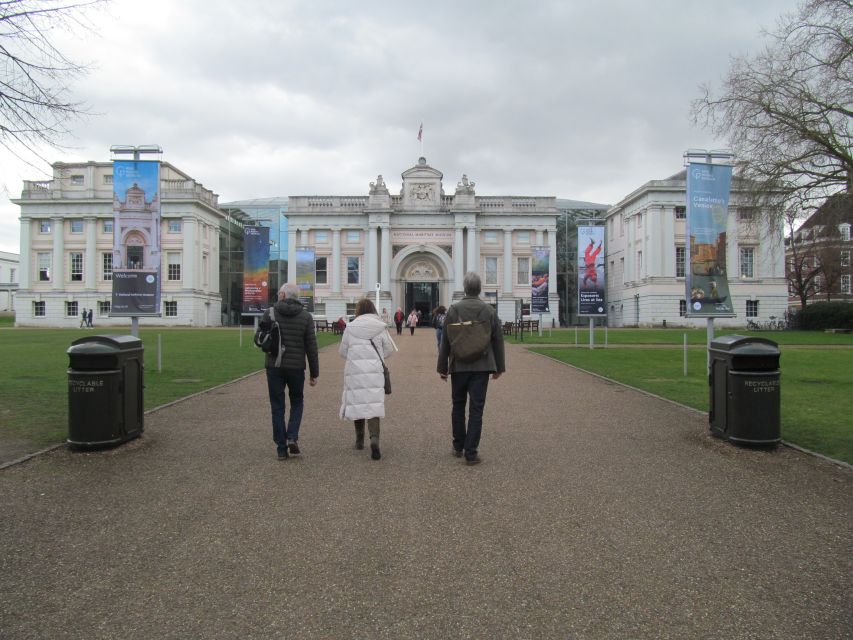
{"x":422,"y":279}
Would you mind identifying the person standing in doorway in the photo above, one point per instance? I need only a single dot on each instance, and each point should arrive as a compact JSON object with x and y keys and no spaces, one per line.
{"x":469,"y":379}
{"x":412,"y":321}
{"x":296,"y":328}
{"x":365,"y":346}
{"x":438,"y":316}
{"x":398,"y":320}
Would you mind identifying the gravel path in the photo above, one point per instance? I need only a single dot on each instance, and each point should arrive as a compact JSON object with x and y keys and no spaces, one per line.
{"x":598,"y":512}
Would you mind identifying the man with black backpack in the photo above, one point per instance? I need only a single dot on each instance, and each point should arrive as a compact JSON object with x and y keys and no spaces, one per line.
{"x":286,"y":334}
{"x":472,"y":348}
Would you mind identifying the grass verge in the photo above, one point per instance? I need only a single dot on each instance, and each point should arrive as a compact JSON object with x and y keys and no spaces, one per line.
{"x":676,"y":337}
{"x":817,"y":406}
{"x":33,"y":379}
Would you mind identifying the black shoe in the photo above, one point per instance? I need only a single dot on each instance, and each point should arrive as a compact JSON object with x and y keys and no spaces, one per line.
{"x":374,"y":451}
{"x":457,"y":453}
{"x":282,"y":454}
{"x":293,"y":448}
{"x":475,"y":459}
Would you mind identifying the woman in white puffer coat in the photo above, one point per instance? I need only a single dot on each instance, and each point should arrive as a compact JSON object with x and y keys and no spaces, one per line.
{"x":364,"y":383}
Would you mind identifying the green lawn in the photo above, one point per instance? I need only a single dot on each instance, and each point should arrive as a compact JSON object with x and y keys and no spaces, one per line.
{"x":817,"y":405}
{"x":33,"y":379}
{"x":676,"y":336}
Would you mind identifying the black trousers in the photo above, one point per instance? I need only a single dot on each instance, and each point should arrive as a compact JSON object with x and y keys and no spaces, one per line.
{"x":468,"y":388}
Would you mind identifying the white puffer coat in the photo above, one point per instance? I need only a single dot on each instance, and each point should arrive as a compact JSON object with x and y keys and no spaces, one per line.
{"x":364,"y":384}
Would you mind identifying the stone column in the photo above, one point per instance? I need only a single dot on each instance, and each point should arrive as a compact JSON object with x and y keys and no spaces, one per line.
{"x":90,"y":273}
{"x":303,"y":237}
{"x":458,"y":259}
{"x":508,"y":267}
{"x":57,"y":276}
{"x":370,"y":257}
{"x":26,"y":255}
{"x":473,"y":262}
{"x":386,"y":258}
{"x":335,"y":267}
{"x":291,"y":256}
{"x":189,"y":268}
{"x":630,"y":251}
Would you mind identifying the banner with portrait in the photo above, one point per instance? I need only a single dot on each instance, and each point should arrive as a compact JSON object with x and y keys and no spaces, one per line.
{"x":136,"y":238}
{"x":256,"y":270}
{"x":305,"y":276}
{"x":539,"y":274}
{"x":706,"y":282}
{"x":591,"y":271}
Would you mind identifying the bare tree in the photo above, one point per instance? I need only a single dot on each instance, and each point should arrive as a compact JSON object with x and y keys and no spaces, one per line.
{"x":802,"y":270}
{"x":35,"y":103}
{"x":786,"y":112}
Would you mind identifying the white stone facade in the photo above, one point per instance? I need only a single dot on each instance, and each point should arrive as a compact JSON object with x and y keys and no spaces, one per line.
{"x":422,"y":242}
{"x":9,"y":270}
{"x":67,"y":249}
{"x":644,"y":233}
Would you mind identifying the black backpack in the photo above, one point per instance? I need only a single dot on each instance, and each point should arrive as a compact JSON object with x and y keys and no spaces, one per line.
{"x":269,"y":340}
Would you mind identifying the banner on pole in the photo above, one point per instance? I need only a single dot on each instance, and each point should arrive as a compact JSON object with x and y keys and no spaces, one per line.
{"x":591,"y":271}
{"x":256,"y":270}
{"x":706,"y":284}
{"x":539,"y":274}
{"x":136,"y":238}
{"x":305,"y":276}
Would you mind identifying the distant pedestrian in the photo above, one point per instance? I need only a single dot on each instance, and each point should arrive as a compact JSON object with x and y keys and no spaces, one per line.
{"x":438,"y":316}
{"x":412,"y":321}
{"x":398,"y":320}
{"x":300,"y":343}
{"x":83,"y":318}
{"x":89,"y":319}
{"x":470,"y":379}
{"x":365,"y":345}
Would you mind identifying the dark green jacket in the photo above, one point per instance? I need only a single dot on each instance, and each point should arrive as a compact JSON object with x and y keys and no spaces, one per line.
{"x":463,"y":311}
{"x":297,"y":333}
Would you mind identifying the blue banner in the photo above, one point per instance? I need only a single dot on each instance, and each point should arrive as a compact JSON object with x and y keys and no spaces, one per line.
{"x":706,"y":284}
{"x":256,"y":270}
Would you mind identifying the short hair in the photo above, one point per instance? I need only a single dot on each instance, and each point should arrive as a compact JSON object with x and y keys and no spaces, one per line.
{"x":471,"y":284}
{"x":365,"y":305}
{"x":289,"y":291}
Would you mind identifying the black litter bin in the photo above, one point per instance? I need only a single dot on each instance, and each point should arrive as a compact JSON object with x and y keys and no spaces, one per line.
{"x":744,"y":394}
{"x":105,"y":377}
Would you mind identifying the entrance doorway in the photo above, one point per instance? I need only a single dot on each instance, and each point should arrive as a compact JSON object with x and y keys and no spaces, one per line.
{"x":422,"y":296}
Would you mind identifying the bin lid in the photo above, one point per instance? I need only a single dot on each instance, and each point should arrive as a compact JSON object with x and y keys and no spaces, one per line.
{"x":104,"y":344}
{"x":744,"y":345}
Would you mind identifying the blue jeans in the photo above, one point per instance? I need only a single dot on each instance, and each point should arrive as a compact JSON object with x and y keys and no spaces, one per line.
{"x":470,"y":388}
{"x":277,"y":380}
{"x":438,"y":333}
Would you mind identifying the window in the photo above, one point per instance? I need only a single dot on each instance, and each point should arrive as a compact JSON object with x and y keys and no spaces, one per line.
{"x":491,"y":270}
{"x":173,"y":270}
{"x":747,"y":258}
{"x":108,"y":179}
{"x":76,"y":226}
{"x":523,"y":237}
{"x":845,"y":232}
{"x":77,"y":180}
{"x":319,"y":309}
{"x":12,"y":274}
{"x":639,"y":220}
{"x":845,"y":258}
{"x":108,"y":226}
{"x":76,"y":266}
{"x":681,"y":213}
{"x":350,"y":309}
{"x":817,"y":284}
{"x":107,"y":263}
{"x":680,"y":262}
{"x":845,"y":283}
{"x":621,"y":226}
{"x":44,"y":226}
{"x":353,"y":274}
{"x":174,"y":226}
{"x":71,"y":309}
{"x":44,"y":263}
{"x":353,"y":237}
{"x":320,"y":272}
{"x":682,"y":308}
{"x":171,"y":309}
{"x":639,"y":273}
{"x":104,"y":306}
{"x":746,"y":214}
{"x":321,"y":237}
{"x":752,"y":308}
{"x":204,"y":264}
{"x":39,"y":310}
{"x":490,"y":236}
{"x":523,"y":271}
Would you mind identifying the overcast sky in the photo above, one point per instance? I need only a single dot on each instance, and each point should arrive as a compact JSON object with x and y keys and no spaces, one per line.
{"x":577,"y":99}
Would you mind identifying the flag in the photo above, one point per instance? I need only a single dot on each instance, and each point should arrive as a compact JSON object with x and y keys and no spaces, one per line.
{"x":421,"y":132}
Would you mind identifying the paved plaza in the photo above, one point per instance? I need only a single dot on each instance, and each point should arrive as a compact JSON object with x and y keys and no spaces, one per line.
{"x":598,"y":512}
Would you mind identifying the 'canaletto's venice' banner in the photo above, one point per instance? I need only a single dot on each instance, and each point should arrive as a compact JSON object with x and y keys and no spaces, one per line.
{"x":707,"y":285}
{"x":256,"y":270}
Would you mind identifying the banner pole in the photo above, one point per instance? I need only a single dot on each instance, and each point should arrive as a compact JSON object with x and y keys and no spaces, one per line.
{"x":710,"y":331}
{"x":159,"y":353}
{"x":685,"y":355}
{"x":134,"y":326}
{"x":591,"y":334}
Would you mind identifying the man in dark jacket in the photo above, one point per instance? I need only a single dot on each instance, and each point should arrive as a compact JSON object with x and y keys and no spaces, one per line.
{"x":300,"y":342}
{"x":470,"y":379}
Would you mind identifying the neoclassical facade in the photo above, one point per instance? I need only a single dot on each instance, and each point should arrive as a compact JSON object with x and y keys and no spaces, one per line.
{"x":415,"y":247}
